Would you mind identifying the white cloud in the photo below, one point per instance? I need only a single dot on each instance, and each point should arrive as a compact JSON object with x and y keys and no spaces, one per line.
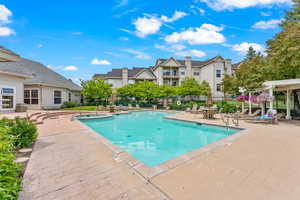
{"x":177,"y":15}
{"x":40,"y":46}
{"x":267,"y":24}
{"x":149,"y":24}
{"x":71,"y":68}
{"x":146,"y":26}
{"x":179,"y":50}
{"x":5,"y":31}
{"x":197,"y":10}
{"x":124,"y":38}
{"x":96,"y":61}
{"x":178,"y":46}
{"x":205,"y":34}
{"x":138,"y":54}
{"x":5,"y":13}
{"x":192,"y":52}
{"x":265,"y":14}
{"x":244,"y":47}
{"x":231,"y":4}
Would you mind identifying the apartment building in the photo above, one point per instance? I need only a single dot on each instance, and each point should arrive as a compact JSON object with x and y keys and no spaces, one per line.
{"x":173,"y":71}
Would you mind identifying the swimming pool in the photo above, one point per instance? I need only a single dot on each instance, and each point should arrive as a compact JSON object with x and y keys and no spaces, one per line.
{"x":150,"y":138}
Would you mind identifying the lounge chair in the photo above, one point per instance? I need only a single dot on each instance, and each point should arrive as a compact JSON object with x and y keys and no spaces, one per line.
{"x":271,"y":117}
{"x":251,"y":116}
{"x":188,"y":109}
{"x":137,"y":106}
{"x":154,"y":107}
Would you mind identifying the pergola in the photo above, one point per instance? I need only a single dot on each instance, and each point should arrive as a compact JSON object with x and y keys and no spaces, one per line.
{"x":287,"y":85}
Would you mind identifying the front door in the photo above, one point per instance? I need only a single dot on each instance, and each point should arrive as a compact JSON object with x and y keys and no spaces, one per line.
{"x":7,"y":98}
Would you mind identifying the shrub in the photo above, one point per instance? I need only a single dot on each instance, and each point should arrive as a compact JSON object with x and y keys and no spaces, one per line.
{"x":22,"y":132}
{"x":69,"y":104}
{"x":226,"y":107}
{"x":10,"y":183}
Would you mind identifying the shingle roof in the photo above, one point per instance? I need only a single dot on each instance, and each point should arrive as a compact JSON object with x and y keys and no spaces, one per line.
{"x":236,"y":65}
{"x":40,"y":74}
{"x":2,"y":48}
{"x":118,"y":73}
{"x":195,"y":63}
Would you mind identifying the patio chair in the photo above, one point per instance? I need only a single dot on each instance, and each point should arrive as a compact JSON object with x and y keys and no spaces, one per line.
{"x":154,"y":107}
{"x":194,"y":109}
{"x":130,"y":107}
{"x":137,"y":106}
{"x":188,"y":109}
{"x":244,"y":112}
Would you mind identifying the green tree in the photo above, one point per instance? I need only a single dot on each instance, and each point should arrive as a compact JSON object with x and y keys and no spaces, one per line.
{"x":146,"y":91}
{"x":167,"y":91}
{"x":251,"y":53}
{"x":191,"y":87}
{"x":284,"y":50}
{"x":230,"y":84}
{"x":126,"y":91}
{"x":96,"y":90}
{"x":251,"y":74}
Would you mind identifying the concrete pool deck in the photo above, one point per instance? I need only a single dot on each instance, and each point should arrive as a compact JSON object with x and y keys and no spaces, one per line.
{"x":69,"y":163}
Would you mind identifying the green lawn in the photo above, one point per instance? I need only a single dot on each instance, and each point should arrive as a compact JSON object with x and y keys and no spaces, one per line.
{"x":88,"y":108}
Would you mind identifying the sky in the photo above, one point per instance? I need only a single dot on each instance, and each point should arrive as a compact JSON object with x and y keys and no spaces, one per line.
{"x":80,"y":38}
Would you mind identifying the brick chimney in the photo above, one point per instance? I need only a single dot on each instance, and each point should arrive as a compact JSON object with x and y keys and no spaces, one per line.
{"x":188,"y":65}
{"x":124,"y":76}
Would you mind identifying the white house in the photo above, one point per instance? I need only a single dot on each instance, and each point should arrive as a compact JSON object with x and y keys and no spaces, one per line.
{"x":30,"y":83}
{"x":173,"y":71}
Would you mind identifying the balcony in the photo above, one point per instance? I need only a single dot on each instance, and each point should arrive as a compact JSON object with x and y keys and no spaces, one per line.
{"x":170,"y":75}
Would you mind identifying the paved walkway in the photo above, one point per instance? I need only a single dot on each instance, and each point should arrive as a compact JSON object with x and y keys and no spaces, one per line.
{"x":73,"y":165}
{"x":69,"y":163}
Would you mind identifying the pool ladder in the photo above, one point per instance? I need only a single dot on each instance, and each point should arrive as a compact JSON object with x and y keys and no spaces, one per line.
{"x":226,"y":119}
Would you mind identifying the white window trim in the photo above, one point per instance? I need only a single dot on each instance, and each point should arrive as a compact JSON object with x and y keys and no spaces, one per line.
{"x":14,"y":98}
{"x":61,"y":97}
{"x":39,"y":96}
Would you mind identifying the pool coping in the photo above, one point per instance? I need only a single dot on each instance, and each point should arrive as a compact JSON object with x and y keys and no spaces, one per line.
{"x":147,"y":172}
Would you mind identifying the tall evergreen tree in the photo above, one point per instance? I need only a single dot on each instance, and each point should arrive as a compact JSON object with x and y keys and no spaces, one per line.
{"x":250,"y":54}
{"x":284,"y":49}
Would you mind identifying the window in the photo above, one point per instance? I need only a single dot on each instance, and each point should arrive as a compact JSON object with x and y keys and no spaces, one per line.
{"x":218,"y":73}
{"x":183,"y":73}
{"x":31,"y":96}
{"x":7,"y":90}
{"x":57,"y":97}
{"x":174,"y":83}
{"x":7,"y":102}
{"x":196,"y":73}
{"x":70,"y":96}
{"x":219,"y":88}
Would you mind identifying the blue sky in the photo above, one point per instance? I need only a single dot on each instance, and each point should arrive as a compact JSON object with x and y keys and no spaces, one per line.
{"x":81,"y":38}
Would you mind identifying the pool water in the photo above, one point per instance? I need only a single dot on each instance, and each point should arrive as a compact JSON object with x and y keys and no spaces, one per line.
{"x":150,"y":138}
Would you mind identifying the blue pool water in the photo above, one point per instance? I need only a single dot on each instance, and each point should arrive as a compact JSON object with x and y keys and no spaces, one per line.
{"x":152,"y":139}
